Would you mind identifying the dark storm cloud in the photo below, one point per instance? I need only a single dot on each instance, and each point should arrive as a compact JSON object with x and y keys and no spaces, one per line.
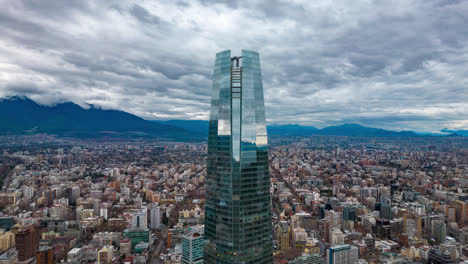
{"x":397,"y":65}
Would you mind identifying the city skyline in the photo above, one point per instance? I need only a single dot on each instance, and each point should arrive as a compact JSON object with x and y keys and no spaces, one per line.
{"x":397,"y":66}
{"x":233,"y":132}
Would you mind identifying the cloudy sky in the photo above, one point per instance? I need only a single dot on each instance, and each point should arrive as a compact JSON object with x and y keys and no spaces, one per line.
{"x":397,"y":65}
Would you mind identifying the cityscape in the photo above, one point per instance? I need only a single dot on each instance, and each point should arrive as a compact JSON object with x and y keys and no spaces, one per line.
{"x":380,"y":200}
{"x":233,"y":149}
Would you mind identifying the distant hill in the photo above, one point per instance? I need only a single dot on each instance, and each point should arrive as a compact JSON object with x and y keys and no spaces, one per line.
{"x":20,"y":115}
{"x":197,"y":126}
{"x":456,"y":132}
{"x":351,"y":130}
{"x":201,"y":126}
{"x":292,"y":130}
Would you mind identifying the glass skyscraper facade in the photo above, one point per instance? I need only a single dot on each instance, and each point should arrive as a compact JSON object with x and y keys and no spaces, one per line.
{"x":238,"y":209}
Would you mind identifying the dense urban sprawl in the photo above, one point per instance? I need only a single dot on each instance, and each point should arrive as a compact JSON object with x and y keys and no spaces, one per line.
{"x":350,"y":200}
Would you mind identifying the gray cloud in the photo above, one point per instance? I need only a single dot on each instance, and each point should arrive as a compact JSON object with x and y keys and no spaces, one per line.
{"x":397,"y":65}
{"x":143,"y":15}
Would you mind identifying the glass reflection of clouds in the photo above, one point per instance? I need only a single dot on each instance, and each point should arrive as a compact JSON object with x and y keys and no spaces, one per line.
{"x":237,"y":210}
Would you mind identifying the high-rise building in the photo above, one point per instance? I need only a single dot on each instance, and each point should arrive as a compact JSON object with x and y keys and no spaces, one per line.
{"x":238,"y":208}
{"x":192,"y":246}
{"x":334,"y":218}
{"x":439,"y":231}
{"x":283,"y":236}
{"x":344,"y":254}
{"x":45,"y":255}
{"x":410,"y":227}
{"x":27,"y":244}
{"x":349,"y":213}
{"x":139,"y":219}
{"x":385,"y":209}
{"x":461,"y":212}
{"x":155,"y":216}
{"x":308,"y":259}
{"x":336,"y":237}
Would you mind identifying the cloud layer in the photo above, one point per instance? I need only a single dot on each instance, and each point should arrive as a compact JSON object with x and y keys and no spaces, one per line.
{"x":397,"y":65}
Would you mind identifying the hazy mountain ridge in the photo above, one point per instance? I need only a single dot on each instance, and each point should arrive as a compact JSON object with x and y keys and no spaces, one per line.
{"x":458,"y":132}
{"x":20,"y":115}
{"x":352,"y":130}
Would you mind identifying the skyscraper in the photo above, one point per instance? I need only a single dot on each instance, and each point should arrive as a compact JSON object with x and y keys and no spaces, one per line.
{"x":238,"y":210}
{"x":155,"y":216}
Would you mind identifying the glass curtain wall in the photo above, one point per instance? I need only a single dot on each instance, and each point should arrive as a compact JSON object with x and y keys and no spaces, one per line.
{"x":238,"y":210}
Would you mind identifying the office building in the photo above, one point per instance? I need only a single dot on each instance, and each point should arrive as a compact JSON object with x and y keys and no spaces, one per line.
{"x":192,"y":246}
{"x":238,"y":211}
{"x":343,"y":254}
{"x":336,"y":237}
{"x":45,"y":255}
{"x":27,"y":243}
{"x":155,"y":216}
{"x":139,"y":219}
{"x":349,"y":213}
{"x":385,"y":209}
{"x":308,"y":259}
{"x":439,"y":231}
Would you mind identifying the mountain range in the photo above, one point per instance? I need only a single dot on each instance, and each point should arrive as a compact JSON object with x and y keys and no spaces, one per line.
{"x":351,"y":130}
{"x":20,"y":115}
{"x":457,"y":132}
